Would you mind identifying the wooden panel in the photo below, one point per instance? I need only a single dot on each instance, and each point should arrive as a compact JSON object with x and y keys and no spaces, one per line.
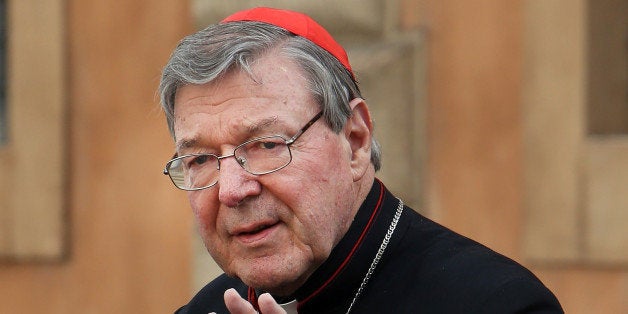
{"x":3,"y":70}
{"x":354,"y":18}
{"x":554,"y":84}
{"x":553,"y":105}
{"x":606,"y":235}
{"x":474,"y":129}
{"x":131,"y":231}
{"x":588,"y":290}
{"x":129,"y":225}
{"x":390,"y":73}
{"x":607,"y":58}
{"x":33,"y":161}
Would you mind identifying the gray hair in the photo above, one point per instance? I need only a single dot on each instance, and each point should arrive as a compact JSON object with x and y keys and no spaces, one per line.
{"x":218,"y":49}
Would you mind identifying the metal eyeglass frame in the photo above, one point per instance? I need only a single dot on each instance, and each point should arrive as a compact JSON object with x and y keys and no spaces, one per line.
{"x":289,"y":142}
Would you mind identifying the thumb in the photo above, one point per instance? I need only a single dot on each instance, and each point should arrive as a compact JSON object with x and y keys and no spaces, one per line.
{"x":268,"y":305}
{"x":236,"y":304}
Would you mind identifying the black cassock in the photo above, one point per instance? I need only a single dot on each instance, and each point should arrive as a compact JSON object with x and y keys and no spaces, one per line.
{"x":423,"y":268}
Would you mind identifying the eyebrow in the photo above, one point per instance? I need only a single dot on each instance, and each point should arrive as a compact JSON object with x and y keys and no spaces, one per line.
{"x":251,"y":129}
{"x":257,"y":126}
{"x":186,"y":143}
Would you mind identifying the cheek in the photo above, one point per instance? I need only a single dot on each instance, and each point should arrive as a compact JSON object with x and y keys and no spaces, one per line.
{"x":204,"y":210}
{"x":321,"y":227}
{"x":321,"y":203}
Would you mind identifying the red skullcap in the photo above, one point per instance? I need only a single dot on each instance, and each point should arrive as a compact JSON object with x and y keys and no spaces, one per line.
{"x":297,"y":23}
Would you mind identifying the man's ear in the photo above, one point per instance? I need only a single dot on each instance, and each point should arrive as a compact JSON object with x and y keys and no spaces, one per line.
{"x":358,"y":131}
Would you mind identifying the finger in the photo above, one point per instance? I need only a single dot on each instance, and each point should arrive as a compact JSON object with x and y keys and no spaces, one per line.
{"x":236,"y":304}
{"x":268,"y":305}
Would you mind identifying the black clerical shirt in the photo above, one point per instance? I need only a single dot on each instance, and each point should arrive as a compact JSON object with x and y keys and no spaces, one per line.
{"x":425,"y":268}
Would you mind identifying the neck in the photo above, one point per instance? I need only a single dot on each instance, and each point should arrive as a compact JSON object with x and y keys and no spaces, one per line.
{"x":363,"y":187}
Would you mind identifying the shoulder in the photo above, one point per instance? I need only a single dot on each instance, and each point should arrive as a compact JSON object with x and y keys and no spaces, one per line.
{"x":210,"y":298}
{"x":520,"y":295}
{"x":457,"y":273}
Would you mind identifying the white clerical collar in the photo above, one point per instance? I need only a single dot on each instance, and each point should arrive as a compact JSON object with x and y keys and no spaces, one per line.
{"x":290,"y":307}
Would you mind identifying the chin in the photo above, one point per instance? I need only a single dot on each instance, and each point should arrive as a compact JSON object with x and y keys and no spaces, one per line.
{"x":276,"y":287}
{"x":277,"y":278}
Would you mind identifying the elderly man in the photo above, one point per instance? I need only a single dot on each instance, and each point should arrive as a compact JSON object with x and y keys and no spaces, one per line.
{"x":275,"y":147}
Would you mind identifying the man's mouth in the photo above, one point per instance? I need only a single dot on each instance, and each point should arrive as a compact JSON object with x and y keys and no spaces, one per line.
{"x":256,"y":229}
{"x":255,"y":233}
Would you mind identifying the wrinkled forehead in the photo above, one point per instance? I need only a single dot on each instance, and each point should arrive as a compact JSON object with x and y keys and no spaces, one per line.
{"x":271,"y":71}
{"x":270,"y":76}
{"x":272,"y":92}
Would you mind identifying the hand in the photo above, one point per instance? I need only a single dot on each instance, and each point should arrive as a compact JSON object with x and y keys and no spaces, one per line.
{"x":237,"y":305}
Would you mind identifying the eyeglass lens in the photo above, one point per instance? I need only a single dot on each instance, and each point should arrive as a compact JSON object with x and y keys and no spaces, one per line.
{"x":258,"y":156}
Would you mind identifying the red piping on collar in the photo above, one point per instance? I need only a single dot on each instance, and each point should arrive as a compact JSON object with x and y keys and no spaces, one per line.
{"x":355,"y":248}
{"x":252,"y":297}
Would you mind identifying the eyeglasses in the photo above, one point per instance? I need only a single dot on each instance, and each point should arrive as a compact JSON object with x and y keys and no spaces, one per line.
{"x":258,"y":156}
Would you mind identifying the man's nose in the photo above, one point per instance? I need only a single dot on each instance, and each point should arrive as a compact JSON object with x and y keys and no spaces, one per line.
{"x":235,"y":184}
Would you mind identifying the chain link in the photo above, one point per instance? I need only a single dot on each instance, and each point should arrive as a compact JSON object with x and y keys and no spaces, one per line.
{"x":378,"y":256}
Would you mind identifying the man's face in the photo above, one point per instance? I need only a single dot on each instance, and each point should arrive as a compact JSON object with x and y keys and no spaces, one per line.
{"x":271,"y":231}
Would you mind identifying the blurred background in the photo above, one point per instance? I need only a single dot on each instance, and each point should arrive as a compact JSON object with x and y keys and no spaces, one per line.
{"x":506,"y":121}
